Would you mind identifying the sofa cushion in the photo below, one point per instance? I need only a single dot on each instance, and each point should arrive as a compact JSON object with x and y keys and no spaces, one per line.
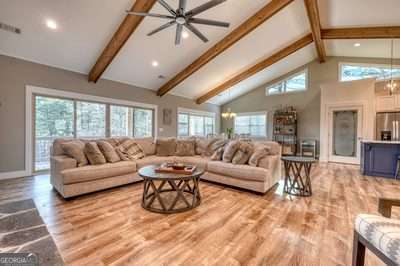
{"x":217,"y":155}
{"x":197,"y":160}
{"x":92,"y":172}
{"x":75,"y":149}
{"x":93,"y":153}
{"x":185,"y":147}
{"x":274,"y":147}
{"x":230,"y":150}
{"x":239,"y":171}
{"x":383,"y":233}
{"x":147,"y":145}
{"x":166,"y":147}
{"x":108,"y":151}
{"x":153,"y":159}
{"x":129,"y":150}
{"x":243,"y":154}
{"x":259,"y":152}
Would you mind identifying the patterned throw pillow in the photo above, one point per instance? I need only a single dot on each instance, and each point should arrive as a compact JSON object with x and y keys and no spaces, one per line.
{"x":129,"y":150}
{"x":258,"y":154}
{"x":94,"y":154}
{"x":217,"y":155}
{"x":230,"y":151}
{"x":75,"y":149}
{"x":108,"y":151}
{"x":166,"y":147}
{"x":185,"y":147}
{"x":243,"y":154}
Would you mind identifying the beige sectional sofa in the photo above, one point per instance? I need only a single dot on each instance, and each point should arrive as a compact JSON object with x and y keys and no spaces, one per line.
{"x":70,"y":180}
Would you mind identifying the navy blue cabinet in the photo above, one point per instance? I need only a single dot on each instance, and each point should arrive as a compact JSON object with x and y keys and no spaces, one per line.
{"x":379,"y":159}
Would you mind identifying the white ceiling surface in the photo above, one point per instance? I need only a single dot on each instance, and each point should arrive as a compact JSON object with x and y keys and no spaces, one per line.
{"x":85,"y":27}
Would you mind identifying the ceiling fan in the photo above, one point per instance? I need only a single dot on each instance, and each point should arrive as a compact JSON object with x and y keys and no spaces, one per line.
{"x":183,"y":18}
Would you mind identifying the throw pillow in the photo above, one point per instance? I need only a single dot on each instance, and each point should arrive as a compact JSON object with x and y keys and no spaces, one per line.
{"x":147,"y":144}
{"x":201,"y":145}
{"x":215,"y":145}
{"x":217,"y":155}
{"x":258,"y":154}
{"x":185,"y":147}
{"x":108,"y":151}
{"x":166,"y":147}
{"x":230,"y":151}
{"x":94,"y":154}
{"x":243,"y":153}
{"x":129,"y":150}
{"x":75,"y":149}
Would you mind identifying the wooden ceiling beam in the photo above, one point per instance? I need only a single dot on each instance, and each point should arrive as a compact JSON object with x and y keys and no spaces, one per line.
{"x":297,"y":45}
{"x":390,"y":32}
{"x":120,"y":37}
{"x":313,"y":17}
{"x":245,"y":28}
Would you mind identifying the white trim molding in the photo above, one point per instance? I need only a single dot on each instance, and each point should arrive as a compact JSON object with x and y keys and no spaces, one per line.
{"x":33,"y":90}
{"x":14,"y":174}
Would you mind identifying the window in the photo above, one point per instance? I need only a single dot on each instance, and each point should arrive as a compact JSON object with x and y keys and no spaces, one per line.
{"x":195,"y":123}
{"x":121,"y":121}
{"x":353,"y":71}
{"x":90,"y":120}
{"x":77,"y":118}
{"x":297,"y":82}
{"x":254,"y":124}
{"x":143,"y":122}
{"x":54,"y":118}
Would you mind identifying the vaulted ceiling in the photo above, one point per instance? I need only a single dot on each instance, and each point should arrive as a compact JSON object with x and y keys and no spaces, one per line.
{"x":85,"y":27}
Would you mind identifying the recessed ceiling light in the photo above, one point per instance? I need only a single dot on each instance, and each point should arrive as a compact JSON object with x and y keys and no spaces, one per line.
{"x":357,"y":44}
{"x":51,"y":24}
{"x":154,"y":64}
{"x":185,"y":35}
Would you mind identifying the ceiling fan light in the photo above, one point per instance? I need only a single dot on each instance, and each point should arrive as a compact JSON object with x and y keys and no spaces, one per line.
{"x":180,"y":20}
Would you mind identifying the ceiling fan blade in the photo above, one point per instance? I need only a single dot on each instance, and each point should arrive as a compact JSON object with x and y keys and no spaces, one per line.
{"x":182,"y":5}
{"x":166,"y":25}
{"x":209,"y":22}
{"x":204,"y":7}
{"x":178,"y":35}
{"x":196,"y":32}
{"x":149,"y":15}
{"x":167,"y":7}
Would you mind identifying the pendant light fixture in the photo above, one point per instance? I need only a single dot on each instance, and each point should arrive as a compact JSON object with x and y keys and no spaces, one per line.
{"x":391,"y":85}
{"x":228,"y":114}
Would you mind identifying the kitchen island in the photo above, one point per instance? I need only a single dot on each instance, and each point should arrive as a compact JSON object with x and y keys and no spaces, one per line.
{"x":379,"y":158}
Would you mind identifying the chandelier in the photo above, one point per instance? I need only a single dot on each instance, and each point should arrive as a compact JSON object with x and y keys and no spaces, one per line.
{"x":228,"y":114}
{"x":391,"y":85}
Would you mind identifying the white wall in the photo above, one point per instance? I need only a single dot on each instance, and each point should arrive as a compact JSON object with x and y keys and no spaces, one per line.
{"x":340,"y":94}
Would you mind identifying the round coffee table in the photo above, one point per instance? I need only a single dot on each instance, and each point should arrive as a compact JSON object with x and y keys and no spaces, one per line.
{"x":297,"y":181}
{"x":169,"y":192}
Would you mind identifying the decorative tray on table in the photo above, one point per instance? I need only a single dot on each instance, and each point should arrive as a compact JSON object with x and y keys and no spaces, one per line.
{"x":176,"y":168}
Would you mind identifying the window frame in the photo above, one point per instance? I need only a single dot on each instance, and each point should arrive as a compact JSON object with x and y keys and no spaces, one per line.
{"x":284,"y":81}
{"x":341,"y":64}
{"x":30,"y":123}
{"x":193,"y":112}
{"x":253,"y":114}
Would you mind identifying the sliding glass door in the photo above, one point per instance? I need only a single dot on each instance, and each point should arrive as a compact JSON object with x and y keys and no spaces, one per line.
{"x":54,"y":118}
{"x":70,"y":118}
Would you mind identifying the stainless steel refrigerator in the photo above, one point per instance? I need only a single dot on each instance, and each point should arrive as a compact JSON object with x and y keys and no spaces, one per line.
{"x":387,"y":126}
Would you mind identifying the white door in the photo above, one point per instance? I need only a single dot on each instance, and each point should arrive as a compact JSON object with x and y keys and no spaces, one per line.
{"x":345,"y":133}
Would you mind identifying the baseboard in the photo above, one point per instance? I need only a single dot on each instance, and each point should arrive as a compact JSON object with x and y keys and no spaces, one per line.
{"x":15,"y":174}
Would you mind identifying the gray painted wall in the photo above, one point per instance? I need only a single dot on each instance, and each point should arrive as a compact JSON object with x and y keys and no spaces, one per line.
{"x":307,"y":103}
{"x":16,"y":73}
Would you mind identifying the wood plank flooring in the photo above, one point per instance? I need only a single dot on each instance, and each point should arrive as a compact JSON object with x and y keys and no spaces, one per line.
{"x":230,"y":227}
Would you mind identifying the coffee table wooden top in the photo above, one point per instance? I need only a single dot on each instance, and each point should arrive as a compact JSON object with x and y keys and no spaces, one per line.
{"x":149,"y":172}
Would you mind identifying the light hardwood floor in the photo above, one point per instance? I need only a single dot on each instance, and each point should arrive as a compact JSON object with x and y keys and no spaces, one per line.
{"x":230,"y":227}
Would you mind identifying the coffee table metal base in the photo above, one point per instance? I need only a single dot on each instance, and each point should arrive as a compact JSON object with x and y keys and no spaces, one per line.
{"x":185,"y":194}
